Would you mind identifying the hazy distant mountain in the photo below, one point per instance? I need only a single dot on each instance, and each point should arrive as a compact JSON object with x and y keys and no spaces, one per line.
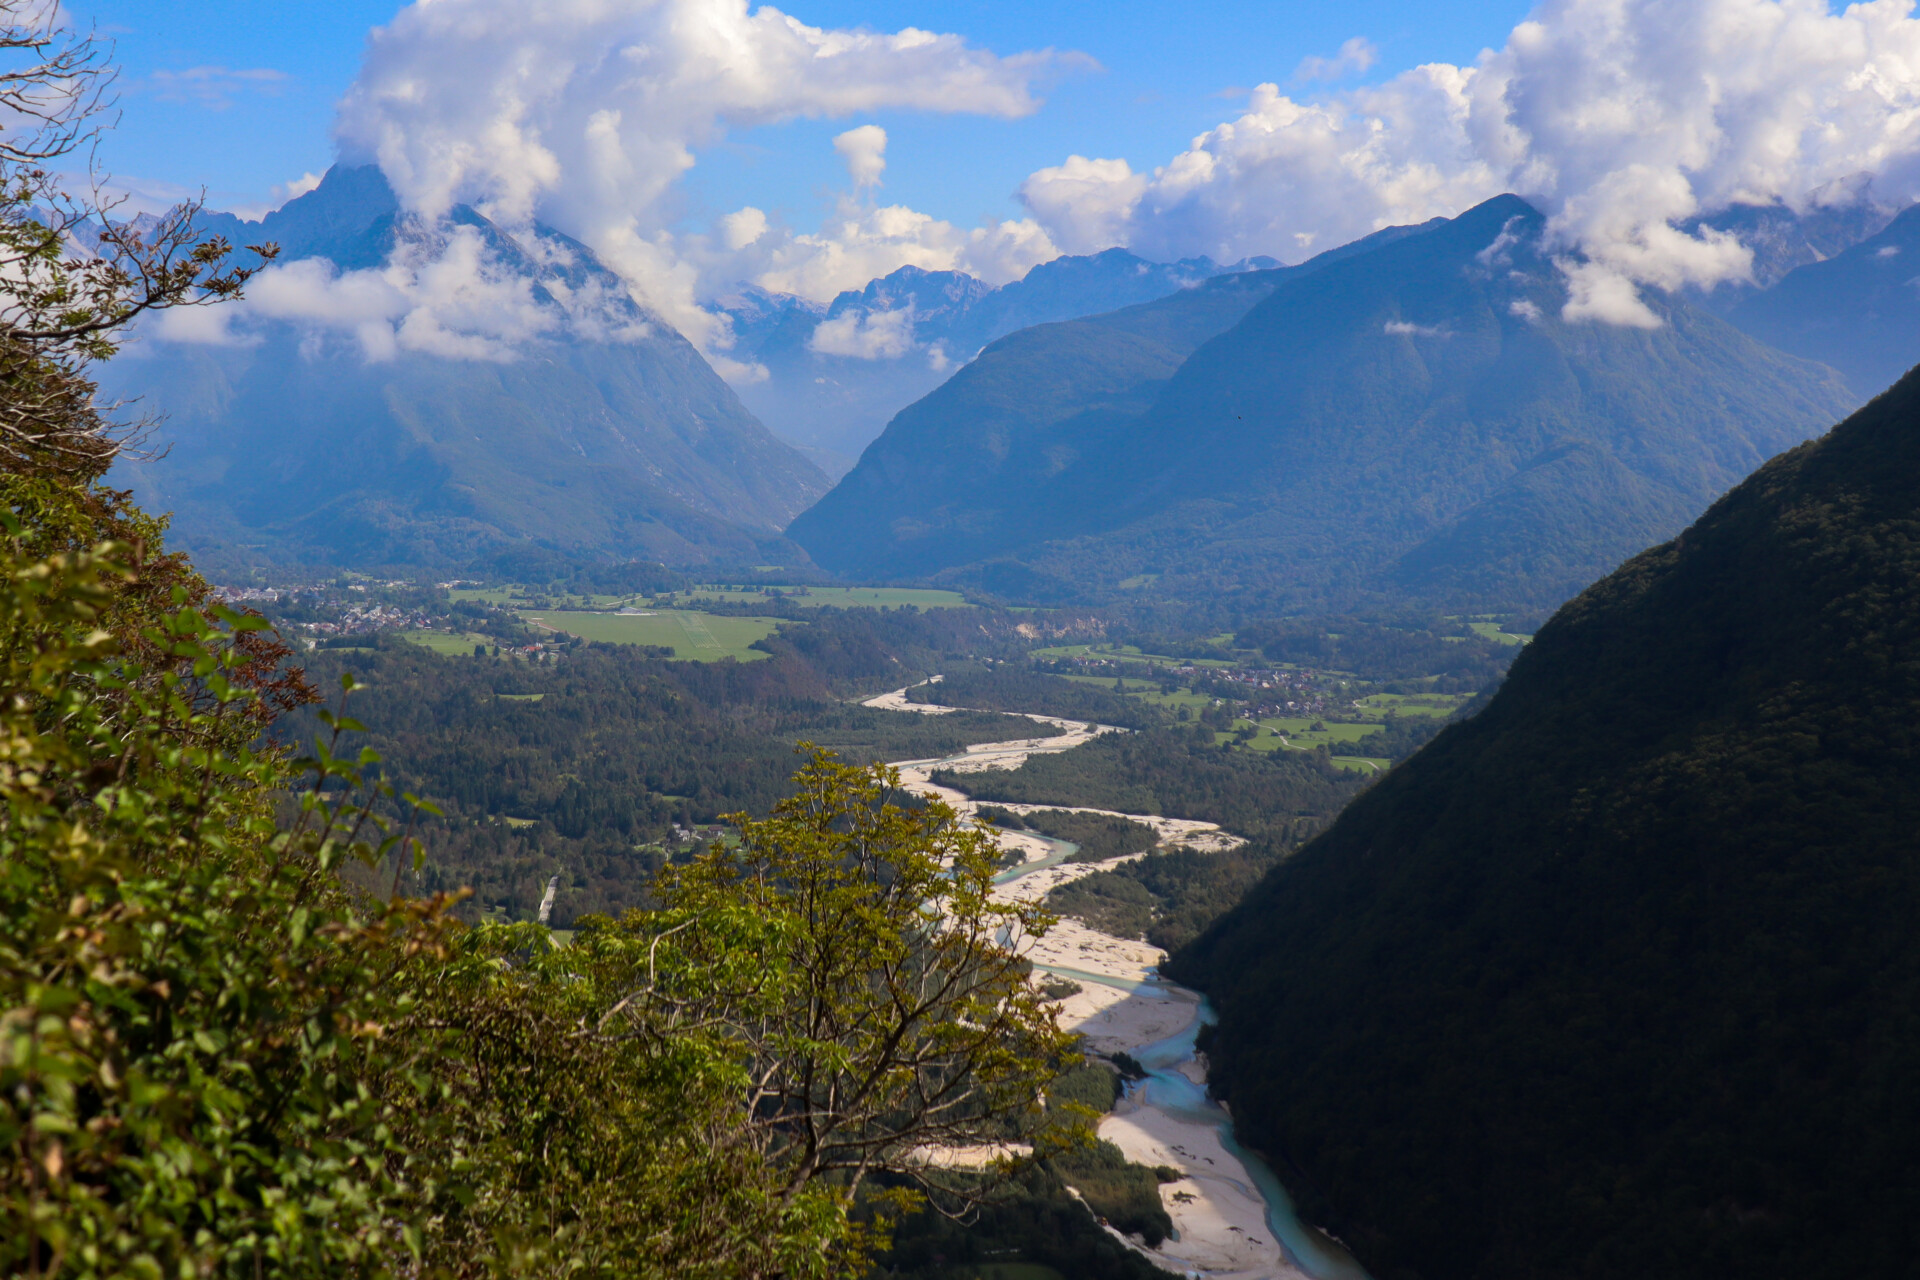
{"x":1858,"y":311}
{"x":837,"y":373}
{"x":1412,"y":419}
{"x":1620,"y":977}
{"x":1782,"y":239}
{"x":609,"y":435}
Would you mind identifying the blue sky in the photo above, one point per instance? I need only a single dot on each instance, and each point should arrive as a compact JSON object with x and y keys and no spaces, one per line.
{"x":1167,"y":72}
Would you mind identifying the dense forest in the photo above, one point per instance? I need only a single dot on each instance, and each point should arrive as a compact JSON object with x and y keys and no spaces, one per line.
{"x":1279,"y":798}
{"x":1100,"y":836}
{"x":1448,"y":658}
{"x":599,"y":765}
{"x":1177,"y":773}
{"x":1017,"y":686}
{"x":1619,"y":977}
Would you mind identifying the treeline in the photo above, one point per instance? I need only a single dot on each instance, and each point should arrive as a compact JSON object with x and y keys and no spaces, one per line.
{"x":1177,"y":773}
{"x":1398,"y":739}
{"x":1036,"y":1220}
{"x":1169,"y":896}
{"x":1101,"y":836}
{"x":1452,"y":655}
{"x":584,"y":767}
{"x":1280,"y":799}
{"x":1018,"y":687}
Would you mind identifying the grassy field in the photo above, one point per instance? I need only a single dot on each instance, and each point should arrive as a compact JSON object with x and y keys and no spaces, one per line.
{"x":843,"y":597}
{"x":1297,"y":737}
{"x":1124,"y":653}
{"x":455,"y":645}
{"x":697,"y":637}
{"x":1147,"y":691}
{"x":514,"y":595}
{"x":1492,"y":631}
{"x":486,"y":595}
{"x":1415,"y":704}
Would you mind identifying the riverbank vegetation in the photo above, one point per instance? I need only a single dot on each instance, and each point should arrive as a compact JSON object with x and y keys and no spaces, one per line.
{"x":1101,"y":837}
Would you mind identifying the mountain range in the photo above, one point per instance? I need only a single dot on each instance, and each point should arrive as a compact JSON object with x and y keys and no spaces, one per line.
{"x":1409,"y":418}
{"x":1619,"y":976}
{"x":835,"y":374}
{"x":601,"y":433}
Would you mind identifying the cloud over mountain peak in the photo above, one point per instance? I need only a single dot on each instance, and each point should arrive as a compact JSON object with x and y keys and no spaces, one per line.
{"x":1620,"y":118}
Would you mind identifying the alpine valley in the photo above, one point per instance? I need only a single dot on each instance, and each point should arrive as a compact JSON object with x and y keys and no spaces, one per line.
{"x":1262,"y":712}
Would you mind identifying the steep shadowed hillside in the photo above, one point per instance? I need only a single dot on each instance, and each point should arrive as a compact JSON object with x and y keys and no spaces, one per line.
{"x":603,"y":433}
{"x":1620,"y":977}
{"x":1412,"y":420}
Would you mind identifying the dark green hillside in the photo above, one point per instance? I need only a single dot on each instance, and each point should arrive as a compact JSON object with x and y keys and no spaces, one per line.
{"x":1857,"y":311}
{"x":1621,"y":977}
{"x":964,"y":474}
{"x":1415,"y":421}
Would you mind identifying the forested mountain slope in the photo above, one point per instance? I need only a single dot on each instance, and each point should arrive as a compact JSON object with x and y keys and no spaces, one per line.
{"x":1415,"y":420}
{"x":603,"y":433}
{"x":965,"y":473}
{"x":1620,"y":977}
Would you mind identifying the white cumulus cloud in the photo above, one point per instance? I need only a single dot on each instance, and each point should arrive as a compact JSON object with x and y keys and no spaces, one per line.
{"x":865,"y":335}
{"x":865,"y":151}
{"x":441,"y":292}
{"x":860,"y":243}
{"x":586,"y":114}
{"x":1620,"y":118}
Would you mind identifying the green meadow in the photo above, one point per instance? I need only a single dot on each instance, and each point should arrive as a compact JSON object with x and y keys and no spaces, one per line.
{"x":1492,"y":631}
{"x":841,"y":597}
{"x":697,"y":637}
{"x":454,"y":644}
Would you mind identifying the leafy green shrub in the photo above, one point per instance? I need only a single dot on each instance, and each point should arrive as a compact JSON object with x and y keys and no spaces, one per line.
{"x":1125,"y":1195}
{"x":1090,"y":1085}
{"x":1100,"y":836}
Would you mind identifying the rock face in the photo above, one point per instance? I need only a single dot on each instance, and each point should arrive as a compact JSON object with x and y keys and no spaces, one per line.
{"x":1620,"y":977}
{"x":603,"y":434}
{"x":1405,"y":419}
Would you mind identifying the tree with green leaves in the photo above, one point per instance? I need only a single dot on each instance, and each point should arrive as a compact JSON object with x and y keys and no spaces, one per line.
{"x":886,"y":1016}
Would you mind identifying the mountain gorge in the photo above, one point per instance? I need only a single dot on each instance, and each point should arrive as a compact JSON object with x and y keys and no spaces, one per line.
{"x":1619,"y":976}
{"x":1413,"y":419}
{"x":355,"y":421}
